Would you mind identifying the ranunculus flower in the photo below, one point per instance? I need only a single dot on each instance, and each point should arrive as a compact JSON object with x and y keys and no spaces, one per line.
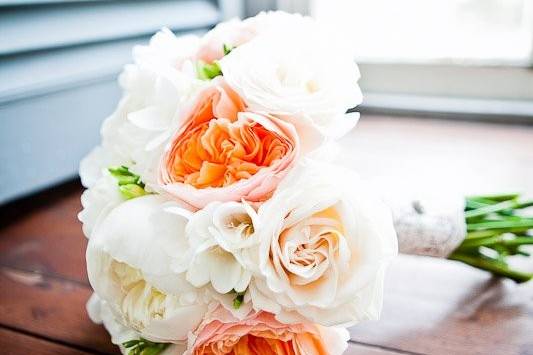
{"x":325,"y":243}
{"x":297,"y":71}
{"x":261,"y":333}
{"x":224,"y":153}
{"x":128,"y":263}
{"x":218,"y":236}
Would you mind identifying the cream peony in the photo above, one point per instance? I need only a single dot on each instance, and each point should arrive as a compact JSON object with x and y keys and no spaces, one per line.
{"x":98,"y":201}
{"x":100,"y":313}
{"x":219,"y":236}
{"x":314,"y":78}
{"x":128,"y":262}
{"x":325,"y":243}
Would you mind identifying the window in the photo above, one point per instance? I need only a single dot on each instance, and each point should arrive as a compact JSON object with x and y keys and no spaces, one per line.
{"x":466,"y":57}
{"x":493,"y":32}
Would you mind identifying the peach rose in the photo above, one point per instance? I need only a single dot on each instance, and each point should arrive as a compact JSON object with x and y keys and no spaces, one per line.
{"x":261,"y":333}
{"x":224,"y":153}
{"x":325,"y":243}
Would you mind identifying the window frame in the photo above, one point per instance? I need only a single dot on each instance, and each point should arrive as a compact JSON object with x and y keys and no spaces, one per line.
{"x":485,"y":91}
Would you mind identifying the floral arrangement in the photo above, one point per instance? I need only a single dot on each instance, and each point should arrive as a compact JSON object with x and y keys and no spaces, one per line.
{"x":216,"y":224}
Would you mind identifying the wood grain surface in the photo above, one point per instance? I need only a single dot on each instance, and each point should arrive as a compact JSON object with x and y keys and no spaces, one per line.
{"x":430,"y":307}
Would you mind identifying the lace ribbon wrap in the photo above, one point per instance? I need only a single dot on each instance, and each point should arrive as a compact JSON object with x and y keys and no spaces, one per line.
{"x":430,"y":227}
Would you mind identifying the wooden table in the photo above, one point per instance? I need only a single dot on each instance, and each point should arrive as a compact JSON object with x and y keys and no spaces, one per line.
{"x":431,"y":306}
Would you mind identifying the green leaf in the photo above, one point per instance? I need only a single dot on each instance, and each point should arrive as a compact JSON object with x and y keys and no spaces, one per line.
{"x":130,"y":191}
{"x":237,"y":301}
{"x":130,"y":343}
{"x":239,"y":298}
{"x":227,"y":48}
{"x":144,"y":347}
{"x":207,"y":71}
{"x":130,"y":184}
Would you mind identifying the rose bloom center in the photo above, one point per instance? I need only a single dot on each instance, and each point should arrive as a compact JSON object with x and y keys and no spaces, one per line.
{"x":219,"y":153}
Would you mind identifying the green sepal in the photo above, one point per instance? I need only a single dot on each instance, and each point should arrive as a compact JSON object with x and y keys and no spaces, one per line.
{"x":129,"y":184}
{"x":227,"y":48}
{"x":207,"y":71}
{"x":239,"y":299}
{"x":130,"y":191}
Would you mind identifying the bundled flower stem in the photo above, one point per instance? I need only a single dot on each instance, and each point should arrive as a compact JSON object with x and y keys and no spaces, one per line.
{"x":495,"y":231}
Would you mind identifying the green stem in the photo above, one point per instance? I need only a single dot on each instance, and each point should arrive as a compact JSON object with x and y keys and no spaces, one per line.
{"x":480,"y":242}
{"x":482,"y":211}
{"x":495,"y":268}
{"x":499,"y":198}
{"x":482,"y":234}
{"x":493,"y":226}
{"x":523,"y":224}
{"x":517,"y":241}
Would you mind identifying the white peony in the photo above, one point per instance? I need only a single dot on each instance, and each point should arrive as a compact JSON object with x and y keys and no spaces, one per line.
{"x":100,"y":313}
{"x":219,"y":236}
{"x":128,"y":262}
{"x":297,"y":70}
{"x":94,"y":165}
{"x":325,"y":243}
{"x":98,"y":201}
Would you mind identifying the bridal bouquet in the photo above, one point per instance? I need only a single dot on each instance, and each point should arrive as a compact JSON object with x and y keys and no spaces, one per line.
{"x":216,"y":224}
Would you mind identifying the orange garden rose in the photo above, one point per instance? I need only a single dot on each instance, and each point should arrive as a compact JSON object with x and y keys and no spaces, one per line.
{"x":224,"y":153}
{"x":261,"y":333}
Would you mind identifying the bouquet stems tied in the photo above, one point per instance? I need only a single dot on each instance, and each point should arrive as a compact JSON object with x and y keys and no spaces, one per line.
{"x":496,"y":230}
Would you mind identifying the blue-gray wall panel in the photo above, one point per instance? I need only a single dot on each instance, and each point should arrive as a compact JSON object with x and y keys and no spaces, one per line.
{"x":43,"y":139}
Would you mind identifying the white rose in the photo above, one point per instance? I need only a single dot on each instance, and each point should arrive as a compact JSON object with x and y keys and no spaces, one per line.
{"x":234,"y":33}
{"x":165,"y":50}
{"x":269,"y":21}
{"x":219,"y":236}
{"x":325,"y":244}
{"x":98,"y":201}
{"x":128,"y":262}
{"x":156,"y":87}
{"x":297,"y":71}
